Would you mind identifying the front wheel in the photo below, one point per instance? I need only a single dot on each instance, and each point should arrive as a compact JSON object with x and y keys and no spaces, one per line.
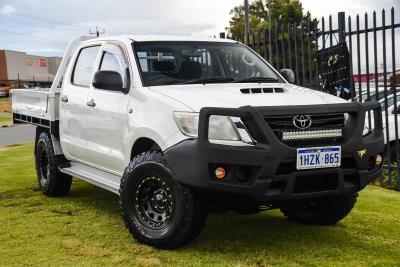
{"x":322,"y":211}
{"x":157,"y":210}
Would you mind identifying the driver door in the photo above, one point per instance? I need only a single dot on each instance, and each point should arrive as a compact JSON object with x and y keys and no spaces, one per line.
{"x":107,"y":127}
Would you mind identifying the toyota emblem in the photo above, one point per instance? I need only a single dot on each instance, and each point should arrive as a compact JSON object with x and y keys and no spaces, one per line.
{"x":302,"y":122}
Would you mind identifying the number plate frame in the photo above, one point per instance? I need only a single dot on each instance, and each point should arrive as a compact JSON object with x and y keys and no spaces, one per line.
{"x":328,"y":157}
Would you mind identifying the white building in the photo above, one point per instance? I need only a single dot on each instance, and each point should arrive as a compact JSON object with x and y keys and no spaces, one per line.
{"x":18,"y":69}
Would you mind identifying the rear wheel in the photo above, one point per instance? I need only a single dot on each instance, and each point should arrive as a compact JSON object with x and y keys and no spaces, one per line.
{"x":51,"y":181}
{"x":157,"y":210}
{"x":322,"y":211}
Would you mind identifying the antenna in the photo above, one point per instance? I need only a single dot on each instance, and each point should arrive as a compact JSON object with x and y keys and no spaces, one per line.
{"x":97,"y":32}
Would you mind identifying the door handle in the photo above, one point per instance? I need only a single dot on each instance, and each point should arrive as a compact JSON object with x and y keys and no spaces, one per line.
{"x":64,"y":99}
{"x":91,"y":103}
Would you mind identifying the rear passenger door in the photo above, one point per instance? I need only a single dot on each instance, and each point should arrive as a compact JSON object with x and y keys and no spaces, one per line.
{"x":73,"y":105}
{"x":107,"y":127}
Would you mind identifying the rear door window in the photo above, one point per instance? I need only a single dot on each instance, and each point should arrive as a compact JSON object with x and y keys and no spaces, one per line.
{"x":82,"y":74}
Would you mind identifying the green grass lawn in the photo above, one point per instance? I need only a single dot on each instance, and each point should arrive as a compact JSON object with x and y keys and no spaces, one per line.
{"x":5,"y":119}
{"x":85,"y":228}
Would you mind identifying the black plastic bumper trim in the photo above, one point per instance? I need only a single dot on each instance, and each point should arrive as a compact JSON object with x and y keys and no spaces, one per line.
{"x":191,"y":159}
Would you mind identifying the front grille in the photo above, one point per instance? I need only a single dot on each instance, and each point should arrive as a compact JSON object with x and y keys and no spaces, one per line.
{"x":316,"y":134}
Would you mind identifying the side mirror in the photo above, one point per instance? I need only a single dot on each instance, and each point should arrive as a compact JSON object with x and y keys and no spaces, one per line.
{"x":108,"y":80}
{"x":288,"y":74}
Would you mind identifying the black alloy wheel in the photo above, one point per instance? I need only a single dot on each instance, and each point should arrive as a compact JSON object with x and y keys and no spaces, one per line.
{"x":154,"y":203}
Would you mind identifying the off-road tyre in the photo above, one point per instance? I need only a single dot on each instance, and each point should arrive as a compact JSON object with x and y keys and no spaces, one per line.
{"x":166,"y":226}
{"x":51,"y":181}
{"x":322,"y":211}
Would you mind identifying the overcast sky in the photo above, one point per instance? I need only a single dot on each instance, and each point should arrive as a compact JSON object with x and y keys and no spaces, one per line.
{"x":44,"y":27}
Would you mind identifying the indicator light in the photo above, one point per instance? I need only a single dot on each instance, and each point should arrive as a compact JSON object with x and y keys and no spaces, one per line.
{"x":220,"y":173}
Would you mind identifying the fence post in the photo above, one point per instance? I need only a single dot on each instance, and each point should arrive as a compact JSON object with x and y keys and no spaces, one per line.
{"x":246,"y":22}
{"x":342,"y":27}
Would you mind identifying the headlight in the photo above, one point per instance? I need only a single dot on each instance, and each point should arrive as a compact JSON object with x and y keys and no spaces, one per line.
{"x":220,"y":127}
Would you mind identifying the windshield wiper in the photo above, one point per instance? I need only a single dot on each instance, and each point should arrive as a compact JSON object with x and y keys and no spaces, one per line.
{"x":211,"y":80}
{"x":258,"y":79}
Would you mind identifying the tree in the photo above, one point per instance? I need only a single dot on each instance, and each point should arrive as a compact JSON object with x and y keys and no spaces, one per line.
{"x":286,"y":16}
{"x":284,"y":11}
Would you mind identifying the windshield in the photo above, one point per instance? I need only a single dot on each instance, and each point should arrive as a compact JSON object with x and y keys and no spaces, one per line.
{"x":164,"y":63}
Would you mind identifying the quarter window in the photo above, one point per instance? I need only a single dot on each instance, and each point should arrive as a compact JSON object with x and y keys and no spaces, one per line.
{"x":83,"y":70}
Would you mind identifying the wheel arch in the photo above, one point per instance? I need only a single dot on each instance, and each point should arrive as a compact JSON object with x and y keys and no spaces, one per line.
{"x":144,"y":144}
{"x":55,"y":137}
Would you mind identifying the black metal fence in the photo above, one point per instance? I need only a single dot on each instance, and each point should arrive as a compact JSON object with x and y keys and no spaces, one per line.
{"x":373,"y":68}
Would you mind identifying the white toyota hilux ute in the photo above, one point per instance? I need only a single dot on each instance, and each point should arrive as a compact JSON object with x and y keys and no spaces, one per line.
{"x":179,"y":127}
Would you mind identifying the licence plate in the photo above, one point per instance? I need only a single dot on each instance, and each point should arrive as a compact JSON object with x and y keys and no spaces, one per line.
{"x":318,"y":157}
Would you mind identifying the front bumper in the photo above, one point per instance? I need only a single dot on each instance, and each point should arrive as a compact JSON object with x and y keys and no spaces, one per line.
{"x":267,"y":171}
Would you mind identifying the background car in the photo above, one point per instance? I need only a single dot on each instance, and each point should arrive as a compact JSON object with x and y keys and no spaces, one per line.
{"x":372,"y":94}
{"x":4,"y":91}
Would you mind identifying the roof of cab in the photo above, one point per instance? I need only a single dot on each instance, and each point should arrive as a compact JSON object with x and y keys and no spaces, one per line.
{"x":147,"y":38}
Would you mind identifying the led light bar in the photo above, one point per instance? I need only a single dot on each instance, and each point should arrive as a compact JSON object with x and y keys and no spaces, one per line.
{"x":311,"y":135}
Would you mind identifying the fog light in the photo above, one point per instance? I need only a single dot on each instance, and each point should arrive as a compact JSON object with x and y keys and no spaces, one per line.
{"x":220,"y":173}
{"x":378,"y":160}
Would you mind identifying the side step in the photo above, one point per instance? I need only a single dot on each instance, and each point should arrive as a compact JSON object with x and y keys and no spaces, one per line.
{"x":94,"y":176}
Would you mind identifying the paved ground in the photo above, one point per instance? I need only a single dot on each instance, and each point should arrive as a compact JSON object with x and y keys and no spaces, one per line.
{"x":17,"y":135}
